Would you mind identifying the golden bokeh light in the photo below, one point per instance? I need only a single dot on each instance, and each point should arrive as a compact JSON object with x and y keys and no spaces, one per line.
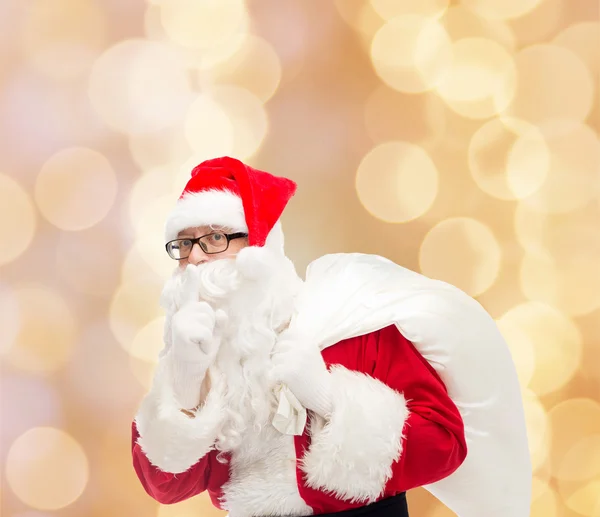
{"x":135,"y":268}
{"x":90,"y":261}
{"x":582,"y":498}
{"x":538,"y":429}
{"x":362,"y":18}
{"x":494,"y":10}
{"x":463,"y":252}
{"x":47,"y":468}
{"x":411,"y":53}
{"x":572,"y":180}
{"x":508,"y":159}
{"x":255,"y":67}
{"x":389,"y":9}
{"x":203,"y":23}
{"x":130,"y":310}
{"x":47,"y":330}
{"x":247,"y":116}
{"x":159,"y":149}
{"x":18,"y":220}
{"x":554,"y":85}
{"x":208,"y":129}
{"x":583,"y":39}
{"x":556,"y":340}
{"x":145,"y":349}
{"x":152,"y":251}
{"x":543,"y":499}
{"x":575,"y":451}
{"x":9,"y":318}
{"x":200,"y":505}
{"x":151,"y":198}
{"x":76,"y":188}
{"x":63,"y":37}
{"x":387,"y":109}
{"x":397,"y":182}
{"x":481,"y":79}
{"x":152,"y":91}
{"x":521,"y":348}
{"x":460,"y":23}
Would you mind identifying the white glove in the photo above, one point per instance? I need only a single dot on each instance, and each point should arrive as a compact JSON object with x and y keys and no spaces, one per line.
{"x":194,"y":342}
{"x":301,"y":367}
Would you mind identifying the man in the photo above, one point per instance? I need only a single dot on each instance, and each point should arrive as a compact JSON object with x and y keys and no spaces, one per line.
{"x":337,"y":394}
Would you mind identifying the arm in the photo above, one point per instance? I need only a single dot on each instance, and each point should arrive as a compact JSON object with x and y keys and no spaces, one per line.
{"x":173,"y":454}
{"x":392,"y":427}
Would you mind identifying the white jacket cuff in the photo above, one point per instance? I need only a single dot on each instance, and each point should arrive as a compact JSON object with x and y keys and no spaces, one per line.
{"x":352,"y":452}
{"x":171,"y":440}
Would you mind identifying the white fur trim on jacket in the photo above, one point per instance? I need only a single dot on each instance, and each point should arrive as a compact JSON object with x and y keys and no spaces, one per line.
{"x":351,"y":454}
{"x":172,"y":441}
{"x":210,"y":207}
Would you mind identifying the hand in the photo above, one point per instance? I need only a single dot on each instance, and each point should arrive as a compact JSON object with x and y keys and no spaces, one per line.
{"x":193,"y":325}
{"x":300,"y":365}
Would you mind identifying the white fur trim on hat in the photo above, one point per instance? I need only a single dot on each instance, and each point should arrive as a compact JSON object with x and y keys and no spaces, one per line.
{"x":210,"y":207}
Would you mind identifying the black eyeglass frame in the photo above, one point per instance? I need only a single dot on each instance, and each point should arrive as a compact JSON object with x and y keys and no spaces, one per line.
{"x":228,"y":236}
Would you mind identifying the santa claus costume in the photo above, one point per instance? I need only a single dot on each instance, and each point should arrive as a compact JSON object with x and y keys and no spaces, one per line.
{"x":330,"y":395}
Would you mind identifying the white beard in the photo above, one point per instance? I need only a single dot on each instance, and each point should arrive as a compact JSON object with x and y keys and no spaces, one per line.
{"x":257,"y":310}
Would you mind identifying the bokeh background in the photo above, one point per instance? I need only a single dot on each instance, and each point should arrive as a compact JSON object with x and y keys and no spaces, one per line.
{"x":458,"y":138}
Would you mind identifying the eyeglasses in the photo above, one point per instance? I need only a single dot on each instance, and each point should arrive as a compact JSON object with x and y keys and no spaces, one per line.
{"x":216,"y":242}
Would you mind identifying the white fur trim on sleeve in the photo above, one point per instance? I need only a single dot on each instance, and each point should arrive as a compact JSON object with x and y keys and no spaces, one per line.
{"x":171,"y":440}
{"x":210,"y":207}
{"x":351,"y":455}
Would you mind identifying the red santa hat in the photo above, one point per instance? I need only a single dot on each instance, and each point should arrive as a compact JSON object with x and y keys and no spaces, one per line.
{"x":226,"y":192}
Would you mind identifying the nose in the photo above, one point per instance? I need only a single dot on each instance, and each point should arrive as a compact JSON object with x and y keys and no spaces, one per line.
{"x":197,"y":255}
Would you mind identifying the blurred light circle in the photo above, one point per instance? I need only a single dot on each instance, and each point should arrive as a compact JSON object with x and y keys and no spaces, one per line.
{"x":61,"y":38}
{"x":581,"y":498}
{"x":38,"y":394}
{"x":140,"y":86}
{"x":145,"y":349}
{"x":575,"y":439}
{"x":194,"y":57}
{"x":134,"y":304}
{"x":255,"y":67}
{"x":208,"y":129}
{"x":481,"y":79}
{"x":397,"y":182}
{"x":570,"y":282}
{"x":530,"y":226}
{"x":411,"y":53}
{"x":135,"y":268}
{"x":247,"y":116}
{"x":572,"y":180}
{"x":47,"y":330}
{"x":419,"y":119}
{"x":362,"y":18}
{"x":538,"y":429}
{"x":460,"y":23}
{"x":494,"y":10}
{"x":151,"y":199}
{"x":521,"y":348}
{"x":9,"y":318}
{"x":17,"y":220}
{"x":508,"y":160}
{"x":148,"y":342}
{"x":76,"y":188}
{"x":89,"y":261}
{"x":153,"y":253}
{"x":583,"y":39}
{"x":568,"y":87}
{"x":557,"y":343}
{"x":389,"y":9}
{"x":463,"y":252}
{"x":160,"y":149}
{"x":202,"y":23}
{"x":543,"y":499}
{"x":47,"y":468}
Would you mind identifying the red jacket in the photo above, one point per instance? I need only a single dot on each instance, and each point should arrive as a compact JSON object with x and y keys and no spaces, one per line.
{"x":393,"y":423}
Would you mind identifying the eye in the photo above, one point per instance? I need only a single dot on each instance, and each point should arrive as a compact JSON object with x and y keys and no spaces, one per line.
{"x":217,"y":237}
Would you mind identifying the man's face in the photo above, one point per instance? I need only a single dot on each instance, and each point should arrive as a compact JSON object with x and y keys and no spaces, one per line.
{"x":214,"y":239}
